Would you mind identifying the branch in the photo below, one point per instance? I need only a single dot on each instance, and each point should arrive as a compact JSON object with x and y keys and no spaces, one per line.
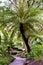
{"x":33,"y":2}
{"x":28,"y":3}
{"x":38,"y":5}
{"x":13,"y":3}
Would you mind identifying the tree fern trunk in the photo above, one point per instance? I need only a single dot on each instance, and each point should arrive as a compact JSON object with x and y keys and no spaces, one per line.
{"x":24,"y":38}
{"x":0,"y":39}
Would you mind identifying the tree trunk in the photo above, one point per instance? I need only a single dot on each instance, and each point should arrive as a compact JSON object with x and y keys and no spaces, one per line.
{"x":24,"y":38}
{"x":0,"y":39}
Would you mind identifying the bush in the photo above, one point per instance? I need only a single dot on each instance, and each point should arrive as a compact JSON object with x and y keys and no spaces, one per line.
{"x":36,"y":52}
{"x":5,"y":59}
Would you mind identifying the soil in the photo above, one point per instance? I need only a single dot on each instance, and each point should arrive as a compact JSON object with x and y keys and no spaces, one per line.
{"x":32,"y":61}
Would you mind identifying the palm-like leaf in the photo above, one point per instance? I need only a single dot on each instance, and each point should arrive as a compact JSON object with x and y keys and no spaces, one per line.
{"x":26,"y":15}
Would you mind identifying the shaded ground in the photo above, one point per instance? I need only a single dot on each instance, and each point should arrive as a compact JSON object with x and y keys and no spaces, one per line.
{"x":33,"y":62}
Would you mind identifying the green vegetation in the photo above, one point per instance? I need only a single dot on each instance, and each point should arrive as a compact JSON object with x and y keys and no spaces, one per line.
{"x":4,"y":60}
{"x":36,"y":53}
{"x":30,"y":16}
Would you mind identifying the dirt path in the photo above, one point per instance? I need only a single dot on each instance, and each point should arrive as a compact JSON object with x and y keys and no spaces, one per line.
{"x":18,"y":61}
{"x":21,"y":61}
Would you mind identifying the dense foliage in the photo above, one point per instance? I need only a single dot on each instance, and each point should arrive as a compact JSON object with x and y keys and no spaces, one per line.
{"x":31,"y":15}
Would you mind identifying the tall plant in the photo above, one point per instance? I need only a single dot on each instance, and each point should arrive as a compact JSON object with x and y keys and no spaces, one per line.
{"x":24,"y":18}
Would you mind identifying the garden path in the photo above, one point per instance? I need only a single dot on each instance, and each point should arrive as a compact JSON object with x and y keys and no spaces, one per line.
{"x":18,"y":61}
{"x":22,"y":61}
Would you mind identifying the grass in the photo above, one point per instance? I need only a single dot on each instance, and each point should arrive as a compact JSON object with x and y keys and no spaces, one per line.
{"x":5,"y":59}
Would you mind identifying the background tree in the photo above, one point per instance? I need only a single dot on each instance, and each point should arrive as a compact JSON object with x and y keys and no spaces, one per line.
{"x":24,"y":18}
